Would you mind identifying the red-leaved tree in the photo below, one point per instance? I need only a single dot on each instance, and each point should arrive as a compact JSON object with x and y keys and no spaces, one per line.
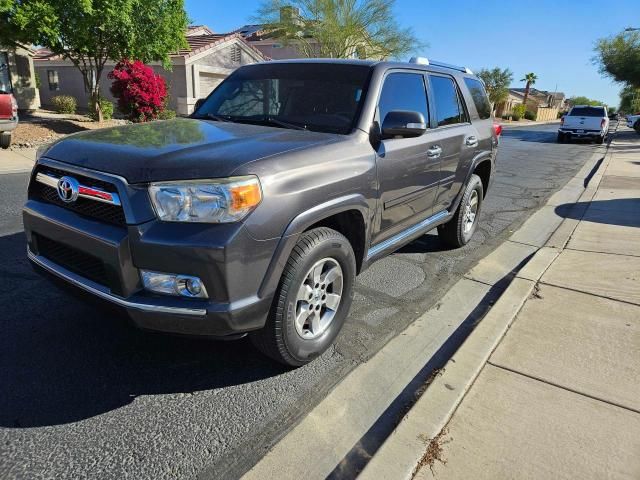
{"x":141,"y":93}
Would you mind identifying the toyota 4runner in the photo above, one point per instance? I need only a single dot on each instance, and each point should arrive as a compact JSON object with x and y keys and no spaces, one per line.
{"x":256,"y":214}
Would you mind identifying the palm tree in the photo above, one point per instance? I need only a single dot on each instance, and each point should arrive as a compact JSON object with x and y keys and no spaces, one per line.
{"x":530,"y":78}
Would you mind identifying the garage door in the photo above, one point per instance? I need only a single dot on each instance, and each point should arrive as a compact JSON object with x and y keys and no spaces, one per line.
{"x":209,"y":81}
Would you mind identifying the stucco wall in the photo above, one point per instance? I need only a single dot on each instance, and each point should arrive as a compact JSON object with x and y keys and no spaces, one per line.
{"x":22,"y":75}
{"x":70,"y":83}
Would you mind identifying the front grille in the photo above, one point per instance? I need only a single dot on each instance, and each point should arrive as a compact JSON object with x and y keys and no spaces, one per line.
{"x":72,"y":259}
{"x":83,"y":206}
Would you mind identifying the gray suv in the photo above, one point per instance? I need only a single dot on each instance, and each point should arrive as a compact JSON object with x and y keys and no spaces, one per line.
{"x":256,"y":214}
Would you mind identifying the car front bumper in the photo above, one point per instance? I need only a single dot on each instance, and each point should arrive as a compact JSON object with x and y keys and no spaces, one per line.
{"x":230,"y":263}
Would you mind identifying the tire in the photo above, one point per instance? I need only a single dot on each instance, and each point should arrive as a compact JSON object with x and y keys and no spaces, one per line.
{"x":297,"y":343}
{"x":5,"y":140}
{"x":561,"y":138}
{"x":636,"y":127}
{"x":457,"y":232}
{"x":600,"y":140}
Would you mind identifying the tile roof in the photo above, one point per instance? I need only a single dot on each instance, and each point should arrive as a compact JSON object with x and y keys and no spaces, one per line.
{"x":197,"y":44}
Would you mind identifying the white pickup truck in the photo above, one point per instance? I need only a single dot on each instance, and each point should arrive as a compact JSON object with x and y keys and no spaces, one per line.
{"x":584,"y":121}
{"x":633,"y":121}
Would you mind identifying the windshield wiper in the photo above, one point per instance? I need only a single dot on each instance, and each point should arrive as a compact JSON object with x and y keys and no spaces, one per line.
{"x":217,"y":118}
{"x":282,"y":123}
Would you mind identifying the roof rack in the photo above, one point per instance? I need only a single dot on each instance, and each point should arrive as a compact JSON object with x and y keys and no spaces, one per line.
{"x":435,"y":63}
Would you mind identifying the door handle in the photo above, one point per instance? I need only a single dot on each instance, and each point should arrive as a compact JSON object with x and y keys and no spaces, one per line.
{"x":434,"y":152}
{"x":471,"y":141}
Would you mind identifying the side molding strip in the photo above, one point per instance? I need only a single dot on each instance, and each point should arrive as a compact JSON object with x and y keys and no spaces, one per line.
{"x":422,"y":226}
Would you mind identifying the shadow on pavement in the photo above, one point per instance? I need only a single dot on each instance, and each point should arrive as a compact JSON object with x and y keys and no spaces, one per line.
{"x":63,"y":360}
{"x":623,"y":212}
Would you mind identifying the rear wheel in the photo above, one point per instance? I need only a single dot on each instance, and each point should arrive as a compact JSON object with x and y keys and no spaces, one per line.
{"x":458,"y":231}
{"x":636,"y":126}
{"x":5,"y":140}
{"x":600,"y":140}
{"x":561,"y":137}
{"x":312,"y":300}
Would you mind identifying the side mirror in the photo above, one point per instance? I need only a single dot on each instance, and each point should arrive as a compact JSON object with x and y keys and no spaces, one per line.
{"x":198,"y":104}
{"x":403,"y":123}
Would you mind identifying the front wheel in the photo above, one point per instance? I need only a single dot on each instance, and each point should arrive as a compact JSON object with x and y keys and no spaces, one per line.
{"x":5,"y":140}
{"x":458,"y":231}
{"x":312,"y":301}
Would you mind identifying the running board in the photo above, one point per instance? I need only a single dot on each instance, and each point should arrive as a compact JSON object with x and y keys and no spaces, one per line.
{"x":424,"y":226}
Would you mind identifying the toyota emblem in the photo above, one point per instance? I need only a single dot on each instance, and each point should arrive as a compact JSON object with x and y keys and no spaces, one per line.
{"x":68,"y":189}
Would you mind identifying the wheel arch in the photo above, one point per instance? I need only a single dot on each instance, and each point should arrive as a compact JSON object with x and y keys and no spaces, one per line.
{"x":348,"y":215}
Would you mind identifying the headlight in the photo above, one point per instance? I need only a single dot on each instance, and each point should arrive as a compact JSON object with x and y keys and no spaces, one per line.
{"x":211,"y":201}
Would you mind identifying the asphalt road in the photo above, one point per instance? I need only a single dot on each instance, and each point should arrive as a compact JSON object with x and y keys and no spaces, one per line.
{"x":84,"y":395}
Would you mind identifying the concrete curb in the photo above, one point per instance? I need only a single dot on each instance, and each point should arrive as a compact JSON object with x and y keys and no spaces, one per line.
{"x":402,"y":452}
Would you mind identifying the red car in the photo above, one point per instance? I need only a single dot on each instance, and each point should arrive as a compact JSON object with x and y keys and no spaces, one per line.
{"x":8,"y":117}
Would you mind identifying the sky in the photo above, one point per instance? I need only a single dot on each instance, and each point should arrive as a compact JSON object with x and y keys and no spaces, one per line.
{"x":553,"y":39}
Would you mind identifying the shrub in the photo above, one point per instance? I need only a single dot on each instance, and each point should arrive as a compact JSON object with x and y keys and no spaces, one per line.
{"x":64,"y":104}
{"x":517,"y":112}
{"x":167,"y":114}
{"x":141,"y":93}
{"x":107,"y":110}
{"x":529,"y":115}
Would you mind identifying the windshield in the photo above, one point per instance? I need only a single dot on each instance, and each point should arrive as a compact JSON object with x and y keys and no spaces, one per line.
{"x":587,"y":112}
{"x":322,"y":97}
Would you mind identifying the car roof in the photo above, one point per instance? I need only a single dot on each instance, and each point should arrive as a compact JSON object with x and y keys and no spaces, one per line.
{"x":378,"y":64}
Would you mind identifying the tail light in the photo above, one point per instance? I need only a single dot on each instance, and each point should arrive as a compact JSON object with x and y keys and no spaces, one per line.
{"x":602,"y":122}
{"x":497,"y":129}
{"x":14,"y":106}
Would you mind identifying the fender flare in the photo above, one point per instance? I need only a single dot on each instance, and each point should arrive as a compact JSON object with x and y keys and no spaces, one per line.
{"x":477,"y":160}
{"x":302,"y":222}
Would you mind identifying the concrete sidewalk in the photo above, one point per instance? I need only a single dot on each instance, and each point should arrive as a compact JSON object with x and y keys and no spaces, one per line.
{"x":17,"y":161}
{"x":548,"y":385}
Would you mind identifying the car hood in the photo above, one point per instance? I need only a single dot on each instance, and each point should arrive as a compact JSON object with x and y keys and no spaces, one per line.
{"x":180,"y":149}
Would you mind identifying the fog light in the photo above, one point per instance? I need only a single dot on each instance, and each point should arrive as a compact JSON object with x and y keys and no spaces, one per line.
{"x":173,"y":284}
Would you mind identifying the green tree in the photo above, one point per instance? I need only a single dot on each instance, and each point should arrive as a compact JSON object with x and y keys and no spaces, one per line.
{"x":630,"y":99}
{"x":530,"y":78}
{"x":496,"y":82}
{"x":338,"y":28}
{"x":618,"y":57}
{"x":91,"y":32}
{"x":581,"y":100}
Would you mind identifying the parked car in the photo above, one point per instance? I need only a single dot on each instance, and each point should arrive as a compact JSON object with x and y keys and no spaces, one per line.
{"x":584,"y":121}
{"x":8,"y":117}
{"x":256,"y":214}
{"x":633,"y":121}
{"x":613,"y":116}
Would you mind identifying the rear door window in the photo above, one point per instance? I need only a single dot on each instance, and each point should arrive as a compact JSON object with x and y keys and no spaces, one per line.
{"x":403,"y":91}
{"x":587,"y":112}
{"x":479,"y":95}
{"x":448,"y":104}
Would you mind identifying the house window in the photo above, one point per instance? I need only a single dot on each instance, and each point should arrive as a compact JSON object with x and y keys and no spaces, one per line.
{"x":236,"y":54}
{"x":5,"y":79}
{"x":92,"y":81}
{"x":52,"y":77}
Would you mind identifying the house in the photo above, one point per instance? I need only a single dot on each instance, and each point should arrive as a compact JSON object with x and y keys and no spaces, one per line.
{"x":544,"y":104}
{"x":17,"y":74}
{"x":267,"y":42}
{"x":194,"y":73}
{"x":266,"y":39}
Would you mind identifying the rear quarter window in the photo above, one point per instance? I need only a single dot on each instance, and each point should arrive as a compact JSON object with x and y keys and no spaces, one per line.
{"x":479,"y":95}
{"x":587,"y":112}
